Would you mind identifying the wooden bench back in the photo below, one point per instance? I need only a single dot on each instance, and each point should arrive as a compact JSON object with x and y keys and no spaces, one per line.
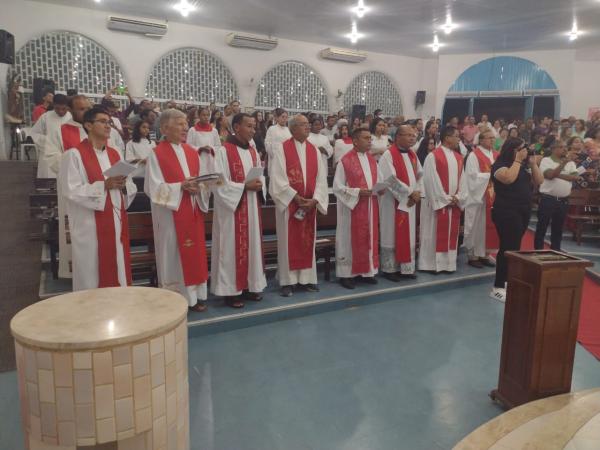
{"x":584,"y":197}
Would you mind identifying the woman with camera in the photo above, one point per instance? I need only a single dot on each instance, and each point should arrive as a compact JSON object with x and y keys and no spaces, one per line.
{"x":514,"y":173}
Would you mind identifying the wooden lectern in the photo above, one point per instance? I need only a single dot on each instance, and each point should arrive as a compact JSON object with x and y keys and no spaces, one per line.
{"x":541,"y":318}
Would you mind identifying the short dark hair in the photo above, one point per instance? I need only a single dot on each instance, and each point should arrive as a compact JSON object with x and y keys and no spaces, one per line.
{"x":145,"y":113}
{"x":239,"y":118}
{"x":279,"y":111}
{"x":72,"y":99}
{"x":90,"y":115}
{"x":447,"y":131}
{"x":61,"y":99}
{"x":356,"y":132}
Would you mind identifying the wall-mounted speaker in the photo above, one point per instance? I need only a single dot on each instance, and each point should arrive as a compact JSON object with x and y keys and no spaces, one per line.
{"x":420,"y":98}
{"x":358,"y":111}
{"x":7,"y":48}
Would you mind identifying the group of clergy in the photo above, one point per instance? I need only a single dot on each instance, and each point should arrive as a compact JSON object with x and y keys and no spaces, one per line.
{"x":376,"y":206}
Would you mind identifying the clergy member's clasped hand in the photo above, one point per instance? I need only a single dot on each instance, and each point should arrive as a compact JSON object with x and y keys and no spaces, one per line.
{"x":416,"y":196}
{"x":365,"y":193}
{"x":115,"y":182}
{"x":254,"y":185}
{"x":309,"y":203}
{"x":454,"y":200}
{"x":190,"y":186}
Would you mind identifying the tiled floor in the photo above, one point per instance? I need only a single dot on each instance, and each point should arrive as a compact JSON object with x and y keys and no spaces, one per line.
{"x":412,"y":373}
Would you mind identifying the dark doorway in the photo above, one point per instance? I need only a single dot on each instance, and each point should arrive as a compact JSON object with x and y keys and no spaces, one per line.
{"x":458,"y":107}
{"x":508,"y":108}
{"x":543,"y":106}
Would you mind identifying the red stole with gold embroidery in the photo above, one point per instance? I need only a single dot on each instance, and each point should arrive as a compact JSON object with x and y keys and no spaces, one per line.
{"x":188,"y":219}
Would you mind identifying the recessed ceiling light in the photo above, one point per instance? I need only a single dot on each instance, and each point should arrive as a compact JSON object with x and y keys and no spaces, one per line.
{"x":435,"y":46}
{"x":360,"y":9}
{"x":448,"y":27}
{"x":184,"y":7}
{"x":574,"y":33}
{"x":354,"y":36}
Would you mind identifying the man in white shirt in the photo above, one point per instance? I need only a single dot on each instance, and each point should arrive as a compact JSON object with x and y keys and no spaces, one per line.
{"x":559,"y":173}
{"x":320,"y":141}
{"x":330,"y":129}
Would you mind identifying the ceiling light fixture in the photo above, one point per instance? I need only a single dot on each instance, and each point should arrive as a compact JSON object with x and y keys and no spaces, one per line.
{"x":184,"y":7}
{"x":448,"y":27}
{"x":360,"y":9}
{"x":354,"y":36}
{"x":435,"y":46}
{"x":574,"y":33}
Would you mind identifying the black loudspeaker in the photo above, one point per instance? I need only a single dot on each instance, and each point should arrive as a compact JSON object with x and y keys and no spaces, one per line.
{"x":40,"y":87}
{"x":359,"y":111}
{"x":420,"y":98}
{"x":7,"y":48}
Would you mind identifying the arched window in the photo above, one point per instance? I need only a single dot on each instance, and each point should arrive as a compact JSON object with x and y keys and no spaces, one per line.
{"x":294,"y":86}
{"x":191,"y":74}
{"x":374,"y":90}
{"x":70,"y":59}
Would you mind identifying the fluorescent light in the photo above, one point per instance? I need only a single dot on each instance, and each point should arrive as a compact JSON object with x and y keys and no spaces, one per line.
{"x":360,"y":9}
{"x":435,"y":46}
{"x":448,"y":27}
{"x":574,"y":33}
{"x":354,"y":36}
{"x":184,"y":7}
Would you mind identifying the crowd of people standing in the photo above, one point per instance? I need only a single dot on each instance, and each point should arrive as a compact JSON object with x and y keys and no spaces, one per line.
{"x":383,"y":172}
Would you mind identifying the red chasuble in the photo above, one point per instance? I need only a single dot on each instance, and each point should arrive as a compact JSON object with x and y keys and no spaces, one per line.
{"x":449,"y":215}
{"x":188,"y":219}
{"x":485,"y":166}
{"x":361,"y":238}
{"x":242,"y":241}
{"x":301,"y":233}
{"x":403,"y":253}
{"x":70,"y":136}
{"x":108,"y":275}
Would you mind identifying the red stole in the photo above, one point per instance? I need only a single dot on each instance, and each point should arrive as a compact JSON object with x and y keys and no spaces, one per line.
{"x":485,"y":166}
{"x":347,"y":140}
{"x":108,"y":272}
{"x":70,"y":136}
{"x":360,"y":223}
{"x":402,"y":219}
{"x":188,"y":219}
{"x":199,"y":127}
{"x":449,"y":216}
{"x":301,"y":233}
{"x":242,"y":242}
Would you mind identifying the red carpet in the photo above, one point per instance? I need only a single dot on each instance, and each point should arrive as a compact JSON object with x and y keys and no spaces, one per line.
{"x":588,"y":334}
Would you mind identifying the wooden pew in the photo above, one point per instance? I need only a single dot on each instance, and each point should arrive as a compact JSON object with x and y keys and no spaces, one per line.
{"x":584,"y":210}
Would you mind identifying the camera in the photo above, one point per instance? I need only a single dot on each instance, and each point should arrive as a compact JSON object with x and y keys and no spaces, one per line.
{"x":531,"y":150}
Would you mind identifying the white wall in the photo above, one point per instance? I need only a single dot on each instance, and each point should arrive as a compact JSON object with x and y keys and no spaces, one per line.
{"x":586,"y":87}
{"x":137,"y":54}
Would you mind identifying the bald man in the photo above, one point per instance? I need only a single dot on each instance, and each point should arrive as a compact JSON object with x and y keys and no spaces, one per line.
{"x":298,"y":186}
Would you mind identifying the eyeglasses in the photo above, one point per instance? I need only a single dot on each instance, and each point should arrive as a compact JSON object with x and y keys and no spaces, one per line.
{"x":103,"y":121}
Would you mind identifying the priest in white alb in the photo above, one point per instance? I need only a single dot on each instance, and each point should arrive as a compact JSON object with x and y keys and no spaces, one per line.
{"x":68,"y":136}
{"x":440,"y":209}
{"x":178,"y":202}
{"x":237,"y":271}
{"x":97,"y":208}
{"x":477,"y":196}
{"x":398,"y":206}
{"x":357,"y":230}
{"x":204,"y":138}
{"x":298,"y":186}
{"x":48,"y":125}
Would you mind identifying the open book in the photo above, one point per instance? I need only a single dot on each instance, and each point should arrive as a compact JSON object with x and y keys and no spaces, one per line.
{"x":210,"y":179}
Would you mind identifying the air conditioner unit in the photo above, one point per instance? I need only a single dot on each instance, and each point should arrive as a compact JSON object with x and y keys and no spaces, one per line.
{"x":154,"y":29}
{"x":251,"y":41}
{"x":501,"y":93}
{"x":340,"y":54}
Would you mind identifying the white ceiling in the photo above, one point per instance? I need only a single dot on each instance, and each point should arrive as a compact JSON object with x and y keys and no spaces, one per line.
{"x":392,"y":26}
